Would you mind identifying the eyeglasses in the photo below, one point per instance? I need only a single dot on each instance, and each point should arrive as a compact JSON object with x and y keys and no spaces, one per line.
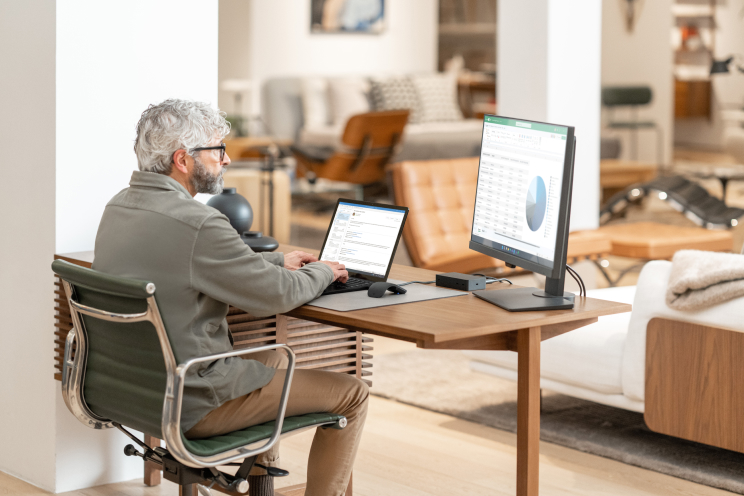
{"x":220,"y":147}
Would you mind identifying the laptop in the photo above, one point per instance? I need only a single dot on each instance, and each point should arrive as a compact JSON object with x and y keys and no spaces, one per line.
{"x":363,"y":236}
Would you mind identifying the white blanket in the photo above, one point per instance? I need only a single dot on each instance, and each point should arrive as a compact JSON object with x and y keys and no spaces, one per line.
{"x":701,"y":279}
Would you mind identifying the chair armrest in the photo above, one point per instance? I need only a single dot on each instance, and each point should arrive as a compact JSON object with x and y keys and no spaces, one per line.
{"x":173,"y":403}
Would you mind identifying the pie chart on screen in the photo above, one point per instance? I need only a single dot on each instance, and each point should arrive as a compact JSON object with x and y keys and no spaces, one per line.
{"x":536,"y":203}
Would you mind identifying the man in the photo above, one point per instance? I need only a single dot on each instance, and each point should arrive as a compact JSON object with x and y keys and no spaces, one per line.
{"x":155,"y":230}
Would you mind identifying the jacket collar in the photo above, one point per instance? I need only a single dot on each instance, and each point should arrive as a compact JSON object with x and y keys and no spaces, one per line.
{"x":142,"y":179}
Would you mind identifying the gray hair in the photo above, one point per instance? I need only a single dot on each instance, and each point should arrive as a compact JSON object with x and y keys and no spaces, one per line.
{"x":174,"y":125}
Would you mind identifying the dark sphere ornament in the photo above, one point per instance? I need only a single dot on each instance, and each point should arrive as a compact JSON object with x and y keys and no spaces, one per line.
{"x":235,"y":207}
{"x":240,"y":214}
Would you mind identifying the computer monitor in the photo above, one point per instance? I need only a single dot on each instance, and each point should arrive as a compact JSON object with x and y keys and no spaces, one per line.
{"x":523,"y":205}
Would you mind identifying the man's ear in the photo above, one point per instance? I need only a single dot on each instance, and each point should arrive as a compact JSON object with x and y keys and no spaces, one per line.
{"x":179,"y":161}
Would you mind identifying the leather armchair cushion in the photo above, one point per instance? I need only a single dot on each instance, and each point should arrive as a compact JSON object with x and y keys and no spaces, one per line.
{"x":440,"y":195}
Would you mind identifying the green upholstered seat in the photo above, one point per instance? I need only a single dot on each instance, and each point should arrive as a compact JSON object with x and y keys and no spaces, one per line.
{"x":218,"y":444}
{"x":125,"y":374}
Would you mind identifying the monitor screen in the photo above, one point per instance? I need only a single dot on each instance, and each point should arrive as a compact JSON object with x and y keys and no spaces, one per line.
{"x":364,"y":237}
{"x":520,"y":179}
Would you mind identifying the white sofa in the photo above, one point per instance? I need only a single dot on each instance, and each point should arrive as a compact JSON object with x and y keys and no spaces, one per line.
{"x":288,"y":114}
{"x":605,"y":362}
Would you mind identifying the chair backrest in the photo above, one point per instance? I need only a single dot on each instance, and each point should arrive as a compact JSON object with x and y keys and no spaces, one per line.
{"x":369,"y":142}
{"x":124,"y":369}
{"x":615,"y":96}
{"x":440,"y":195}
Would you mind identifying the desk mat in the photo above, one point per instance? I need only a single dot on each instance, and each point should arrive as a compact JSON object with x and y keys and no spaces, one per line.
{"x":358,"y":300}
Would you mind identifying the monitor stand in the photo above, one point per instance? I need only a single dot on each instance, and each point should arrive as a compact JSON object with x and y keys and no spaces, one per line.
{"x":530,"y":299}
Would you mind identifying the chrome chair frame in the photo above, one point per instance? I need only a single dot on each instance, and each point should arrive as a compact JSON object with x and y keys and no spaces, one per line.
{"x":73,"y":376}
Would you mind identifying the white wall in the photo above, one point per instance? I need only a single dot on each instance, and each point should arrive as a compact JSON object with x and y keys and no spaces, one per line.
{"x":642,"y":57}
{"x":728,"y":89}
{"x":234,"y":49}
{"x":27,"y":33}
{"x":107,"y":74}
{"x":281,"y":43}
{"x":549,"y":70}
{"x":76,"y":76}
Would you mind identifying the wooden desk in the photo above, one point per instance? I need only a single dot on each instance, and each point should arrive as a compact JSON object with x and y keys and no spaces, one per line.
{"x":468,"y":323}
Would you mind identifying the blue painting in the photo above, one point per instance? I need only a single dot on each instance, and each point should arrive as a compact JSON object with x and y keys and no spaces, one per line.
{"x":347,"y":16}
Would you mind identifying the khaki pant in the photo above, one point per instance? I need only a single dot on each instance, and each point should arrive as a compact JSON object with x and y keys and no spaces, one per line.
{"x":332,"y":453}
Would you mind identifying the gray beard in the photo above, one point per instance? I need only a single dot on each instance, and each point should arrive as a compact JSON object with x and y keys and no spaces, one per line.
{"x":205,"y":182}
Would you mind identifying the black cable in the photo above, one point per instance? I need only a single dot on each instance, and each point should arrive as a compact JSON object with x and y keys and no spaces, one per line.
{"x":577,"y":282}
{"x":489,"y":280}
{"x":415,"y":282}
{"x":581,"y":290}
{"x":578,"y":279}
{"x":493,"y":279}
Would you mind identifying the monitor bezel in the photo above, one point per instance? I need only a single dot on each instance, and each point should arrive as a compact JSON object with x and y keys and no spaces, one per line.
{"x":561,"y":239}
{"x":362,"y":275}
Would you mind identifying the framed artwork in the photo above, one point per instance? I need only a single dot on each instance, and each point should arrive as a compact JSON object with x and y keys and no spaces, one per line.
{"x":347,"y":16}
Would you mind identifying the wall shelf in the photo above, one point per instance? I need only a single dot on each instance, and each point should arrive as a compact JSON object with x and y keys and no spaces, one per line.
{"x":695,"y":26}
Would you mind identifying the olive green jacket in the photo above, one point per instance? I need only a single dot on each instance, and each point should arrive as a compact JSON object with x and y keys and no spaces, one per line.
{"x":154,"y":230}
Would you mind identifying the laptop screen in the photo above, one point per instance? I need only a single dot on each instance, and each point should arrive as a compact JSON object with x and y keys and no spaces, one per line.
{"x":363,"y":236}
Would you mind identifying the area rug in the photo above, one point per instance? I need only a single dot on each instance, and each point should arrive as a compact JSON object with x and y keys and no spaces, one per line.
{"x":441,"y":381}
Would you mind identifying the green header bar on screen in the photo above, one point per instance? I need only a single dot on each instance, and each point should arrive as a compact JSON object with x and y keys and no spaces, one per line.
{"x":526,"y":125}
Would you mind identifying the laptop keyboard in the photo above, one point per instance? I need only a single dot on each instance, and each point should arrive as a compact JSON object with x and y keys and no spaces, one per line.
{"x":353,"y":284}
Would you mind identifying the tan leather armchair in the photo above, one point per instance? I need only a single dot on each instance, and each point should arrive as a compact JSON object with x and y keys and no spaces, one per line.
{"x":440,"y":195}
{"x":369,"y":142}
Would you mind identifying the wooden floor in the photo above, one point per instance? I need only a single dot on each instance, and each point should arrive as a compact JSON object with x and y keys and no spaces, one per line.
{"x":413,"y":452}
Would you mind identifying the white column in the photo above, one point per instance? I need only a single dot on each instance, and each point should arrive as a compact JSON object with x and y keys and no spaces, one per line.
{"x":76,"y":76}
{"x":27,"y":419}
{"x":549,"y":67}
{"x":113,"y":60}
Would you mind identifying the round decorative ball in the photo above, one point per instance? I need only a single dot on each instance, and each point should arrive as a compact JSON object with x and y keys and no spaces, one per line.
{"x":235,"y":207}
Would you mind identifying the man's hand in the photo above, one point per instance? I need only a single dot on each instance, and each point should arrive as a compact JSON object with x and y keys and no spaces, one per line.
{"x":297,"y":259}
{"x":339,"y":271}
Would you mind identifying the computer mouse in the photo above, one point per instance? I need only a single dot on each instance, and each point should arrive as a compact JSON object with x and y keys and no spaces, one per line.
{"x":378,"y":289}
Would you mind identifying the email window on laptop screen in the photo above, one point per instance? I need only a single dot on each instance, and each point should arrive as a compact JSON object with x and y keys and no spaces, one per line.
{"x":519,"y":188}
{"x":363,"y":238}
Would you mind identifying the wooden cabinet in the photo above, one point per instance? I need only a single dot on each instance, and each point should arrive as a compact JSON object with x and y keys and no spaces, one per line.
{"x":692,"y":99}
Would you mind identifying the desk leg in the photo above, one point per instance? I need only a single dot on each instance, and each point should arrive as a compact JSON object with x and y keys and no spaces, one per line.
{"x":152,"y":471}
{"x":528,"y":411}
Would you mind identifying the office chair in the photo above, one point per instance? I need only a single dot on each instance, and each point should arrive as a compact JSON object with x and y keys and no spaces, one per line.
{"x":369,"y":142}
{"x":119,"y":370}
{"x":633,"y":97}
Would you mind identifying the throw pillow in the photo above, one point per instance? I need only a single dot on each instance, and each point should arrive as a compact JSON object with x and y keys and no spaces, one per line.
{"x":315,"y":102}
{"x":438,"y":96}
{"x":396,"y":93}
{"x":347,"y":97}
